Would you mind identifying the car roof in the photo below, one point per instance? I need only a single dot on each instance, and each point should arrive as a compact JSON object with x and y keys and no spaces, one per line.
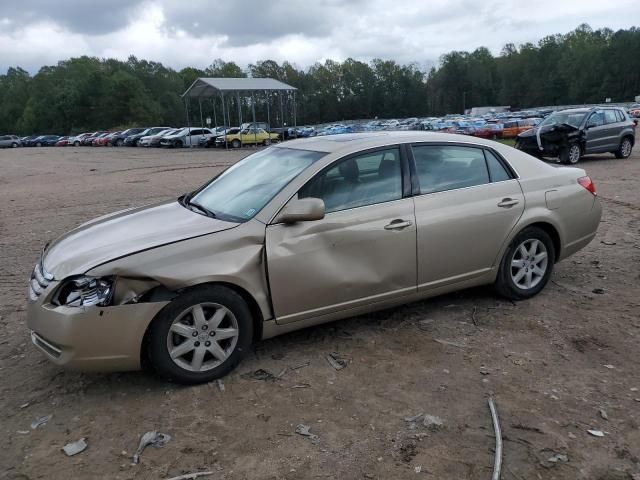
{"x":355,"y":142}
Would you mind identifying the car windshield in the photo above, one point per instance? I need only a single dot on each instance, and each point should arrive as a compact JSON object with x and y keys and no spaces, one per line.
{"x":573,"y":119}
{"x":243,"y":190}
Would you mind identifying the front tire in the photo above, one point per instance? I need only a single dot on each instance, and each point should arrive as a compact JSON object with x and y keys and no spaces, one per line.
{"x":14,"y":145}
{"x":178,"y":144}
{"x":200,"y":336}
{"x":625,"y":148}
{"x":236,"y":143}
{"x":527,"y":265}
{"x":571,"y":155}
{"x":119,"y":142}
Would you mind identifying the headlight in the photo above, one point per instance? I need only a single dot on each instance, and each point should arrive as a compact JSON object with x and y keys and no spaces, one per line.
{"x":84,"y":292}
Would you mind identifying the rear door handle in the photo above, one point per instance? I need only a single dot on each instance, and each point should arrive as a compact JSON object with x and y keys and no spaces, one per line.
{"x":398,"y":224}
{"x":508,"y":202}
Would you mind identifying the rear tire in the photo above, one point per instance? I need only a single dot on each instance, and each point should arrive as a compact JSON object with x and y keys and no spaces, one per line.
{"x":527,"y":264}
{"x":267,"y":142}
{"x":626,"y":145}
{"x":178,"y":144}
{"x":76,"y":143}
{"x":236,"y":143}
{"x":120,"y":142}
{"x":14,"y":145}
{"x":224,"y":315}
{"x":571,"y":155}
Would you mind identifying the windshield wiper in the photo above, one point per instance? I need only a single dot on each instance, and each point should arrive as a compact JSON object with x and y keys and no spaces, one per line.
{"x":193,"y":206}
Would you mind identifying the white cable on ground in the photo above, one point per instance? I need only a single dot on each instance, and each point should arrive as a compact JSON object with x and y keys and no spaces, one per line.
{"x":496,"y":427}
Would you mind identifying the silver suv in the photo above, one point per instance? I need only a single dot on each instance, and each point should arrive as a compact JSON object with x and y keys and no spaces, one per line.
{"x":570,"y":134}
{"x":10,"y":141}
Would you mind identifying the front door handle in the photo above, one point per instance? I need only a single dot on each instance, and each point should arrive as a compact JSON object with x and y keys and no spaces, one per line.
{"x":398,"y":224}
{"x":508,"y":202}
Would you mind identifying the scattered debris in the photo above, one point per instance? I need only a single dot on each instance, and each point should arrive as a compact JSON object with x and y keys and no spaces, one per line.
{"x":304,"y":431}
{"x":23,"y":432}
{"x":260,"y":374}
{"x":408,"y":451}
{"x":153,"y":438}
{"x":425,"y":323}
{"x":603,"y":414}
{"x":604,"y":242}
{"x":74,"y":448}
{"x":415,"y":418}
{"x":446,"y":342}
{"x":527,"y":428}
{"x":418,"y":468}
{"x":598,"y":291}
{"x":432,"y":422}
{"x":220,"y":384}
{"x":484,"y":371}
{"x":40,"y":422}
{"x":571,"y":435}
{"x":25,"y":405}
{"x":282,"y":372}
{"x":336,"y":361}
{"x":302,"y":385}
{"x":610,"y":367}
{"x":596,"y":433}
{"x":558,"y":457}
{"x":302,"y":365}
{"x":191,"y":476}
{"x":473,"y":316}
{"x":496,"y":427}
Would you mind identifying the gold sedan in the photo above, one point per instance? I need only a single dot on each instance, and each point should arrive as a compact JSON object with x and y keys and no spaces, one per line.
{"x":299,"y":234}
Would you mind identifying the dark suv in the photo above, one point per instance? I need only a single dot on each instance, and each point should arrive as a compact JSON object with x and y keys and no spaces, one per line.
{"x":569,"y":134}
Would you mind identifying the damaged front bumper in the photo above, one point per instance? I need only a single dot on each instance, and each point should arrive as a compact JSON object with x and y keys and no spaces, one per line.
{"x":91,"y":338}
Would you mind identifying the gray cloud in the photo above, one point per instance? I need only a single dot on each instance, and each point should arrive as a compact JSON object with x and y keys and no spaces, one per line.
{"x":78,"y":16}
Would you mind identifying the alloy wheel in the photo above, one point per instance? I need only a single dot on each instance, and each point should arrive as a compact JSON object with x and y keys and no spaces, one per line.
{"x":625,"y":148}
{"x":529,"y":264}
{"x":574,"y":154}
{"x":202,"y":337}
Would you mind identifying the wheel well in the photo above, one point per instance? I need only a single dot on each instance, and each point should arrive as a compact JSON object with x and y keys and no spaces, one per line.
{"x":165,"y":294}
{"x":553,"y":233}
{"x":630,"y":137}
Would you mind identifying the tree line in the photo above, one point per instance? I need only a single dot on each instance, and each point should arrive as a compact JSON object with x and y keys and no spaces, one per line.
{"x":86,"y":93}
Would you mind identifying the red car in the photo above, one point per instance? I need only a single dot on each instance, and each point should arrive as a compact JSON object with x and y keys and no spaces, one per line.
{"x":62,"y":142}
{"x":96,"y":142}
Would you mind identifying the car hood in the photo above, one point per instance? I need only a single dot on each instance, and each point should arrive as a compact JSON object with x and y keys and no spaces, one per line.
{"x":124,"y":233}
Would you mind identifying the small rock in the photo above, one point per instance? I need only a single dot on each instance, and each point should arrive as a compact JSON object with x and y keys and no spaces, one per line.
{"x":304,"y":430}
{"x":432,"y":422}
{"x":74,"y":448}
{"x":596,"y":433}
{"x":610,"y":367}
{"x":571,"y":435}
{"x":603,"y":414}
{"x":558,"y":457}
{"x":598,"y":291}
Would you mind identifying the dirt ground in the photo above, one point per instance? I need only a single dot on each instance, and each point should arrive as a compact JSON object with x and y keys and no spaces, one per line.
{"x":556,"y":364}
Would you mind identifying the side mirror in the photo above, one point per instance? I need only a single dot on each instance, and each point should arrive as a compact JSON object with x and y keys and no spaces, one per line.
{"x":301,"y":210}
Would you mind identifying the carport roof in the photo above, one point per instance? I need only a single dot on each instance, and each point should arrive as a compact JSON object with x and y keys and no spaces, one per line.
{"x":207,"y":87}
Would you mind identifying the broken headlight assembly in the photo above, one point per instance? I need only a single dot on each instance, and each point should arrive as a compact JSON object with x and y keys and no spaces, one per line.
{"x":84,"y":291}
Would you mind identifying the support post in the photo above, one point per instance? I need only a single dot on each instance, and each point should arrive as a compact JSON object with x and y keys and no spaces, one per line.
{"x":295,"y":114}
{"x":186,"y":104}
{"x":226,"y":146}
{"x":253,"y":113}
{"x":268,"y":114}
{"x":282,"y":122}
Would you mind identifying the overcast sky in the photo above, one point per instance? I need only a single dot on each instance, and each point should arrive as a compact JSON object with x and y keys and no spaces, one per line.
{"x":183,"y":33}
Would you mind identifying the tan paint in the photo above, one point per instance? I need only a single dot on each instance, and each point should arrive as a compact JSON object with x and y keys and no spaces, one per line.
{"x":344,"y":264}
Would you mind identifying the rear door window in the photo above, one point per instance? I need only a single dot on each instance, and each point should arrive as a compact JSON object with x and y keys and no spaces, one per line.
{"x":497,"y":171}
{"x":440,"y":168}
{"x":610,"y":116}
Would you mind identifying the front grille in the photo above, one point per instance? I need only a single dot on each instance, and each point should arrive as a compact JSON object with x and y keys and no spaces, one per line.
{"x":40,"y":280}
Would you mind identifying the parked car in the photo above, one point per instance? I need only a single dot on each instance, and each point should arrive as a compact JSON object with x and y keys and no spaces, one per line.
{"x":154,"y":140}
{"x":88,"y":140}
{"x":299,"y":234}
{"x":132,"y":140}
{"x":118,"y":141}
{"x":62,"y":142}
{"x":185,"y":137}
{"x":634,"y":110}
{"x":250,"y":136}
{"x":43,"y":141}
{"x":106,"y":140}
{"x":100,"y":139}
{"x":77,"y":140}
{"x":513,"y":128}
{"x":569,"y":134}
{"x":26,"y":140}
{"x":10,"y":141}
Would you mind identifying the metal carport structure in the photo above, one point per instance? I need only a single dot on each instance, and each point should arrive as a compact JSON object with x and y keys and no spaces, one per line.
{"x":247,"y":87}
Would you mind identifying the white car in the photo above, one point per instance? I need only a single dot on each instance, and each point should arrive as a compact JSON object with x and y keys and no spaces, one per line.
{"x":185,"y":138}
{"x":148,"y":139}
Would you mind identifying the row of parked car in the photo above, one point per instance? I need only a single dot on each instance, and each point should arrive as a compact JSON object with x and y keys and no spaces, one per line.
{"x":223,"y":136}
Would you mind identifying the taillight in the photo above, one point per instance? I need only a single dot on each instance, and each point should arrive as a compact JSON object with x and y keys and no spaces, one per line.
{"x":587,"y":183}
